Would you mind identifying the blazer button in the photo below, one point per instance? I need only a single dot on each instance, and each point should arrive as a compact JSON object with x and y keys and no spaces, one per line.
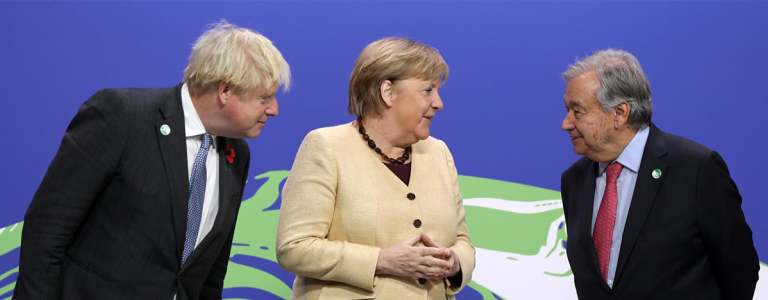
{"x":411,"y":196}
{"x":417,"y":223}
{"x":422,"y":281}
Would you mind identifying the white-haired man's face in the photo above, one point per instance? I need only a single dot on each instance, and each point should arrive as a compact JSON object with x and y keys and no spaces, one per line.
{"x":591,"y":129}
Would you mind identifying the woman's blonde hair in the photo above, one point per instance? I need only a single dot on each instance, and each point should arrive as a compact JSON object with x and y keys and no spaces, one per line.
{"x":390,"y":59}
{"x":235,"y":55}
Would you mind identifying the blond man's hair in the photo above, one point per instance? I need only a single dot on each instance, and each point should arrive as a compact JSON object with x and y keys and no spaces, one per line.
{"x":390,"y":59}
{"x":237,"y":56}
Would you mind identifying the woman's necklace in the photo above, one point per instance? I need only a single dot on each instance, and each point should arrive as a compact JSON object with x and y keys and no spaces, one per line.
{"x":372,"y":144}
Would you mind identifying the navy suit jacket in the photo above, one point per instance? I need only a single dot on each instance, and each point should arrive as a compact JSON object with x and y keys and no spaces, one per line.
{"x":685,"y":236}
{"x":109,"y":218}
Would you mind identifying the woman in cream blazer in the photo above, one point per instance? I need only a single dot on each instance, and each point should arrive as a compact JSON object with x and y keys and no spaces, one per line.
{"x":358,"y":223}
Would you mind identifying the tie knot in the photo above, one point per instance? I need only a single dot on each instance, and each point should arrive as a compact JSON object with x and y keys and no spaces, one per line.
{"x":613,"y":171}
{"x":206,"y":140}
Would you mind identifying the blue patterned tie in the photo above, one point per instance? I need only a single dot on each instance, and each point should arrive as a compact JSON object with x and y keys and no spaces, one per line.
{"x":196,"y":197}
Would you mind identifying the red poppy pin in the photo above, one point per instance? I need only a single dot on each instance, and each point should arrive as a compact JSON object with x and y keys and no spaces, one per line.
{"x":230,"y":154}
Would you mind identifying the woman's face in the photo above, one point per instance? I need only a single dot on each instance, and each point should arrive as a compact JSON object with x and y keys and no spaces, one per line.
{"x":414,"y":104}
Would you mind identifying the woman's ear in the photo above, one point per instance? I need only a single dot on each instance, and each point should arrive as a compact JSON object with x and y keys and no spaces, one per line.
{"x":387,"y":92}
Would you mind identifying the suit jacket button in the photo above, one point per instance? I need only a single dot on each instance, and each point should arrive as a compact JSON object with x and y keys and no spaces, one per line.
{"x":422,"y":281}
{"x":411,"y":196}
{"x":417,"y":223}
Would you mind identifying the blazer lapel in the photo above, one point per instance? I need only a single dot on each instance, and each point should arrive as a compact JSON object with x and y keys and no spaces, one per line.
{"x":227,"y":191}
{"x":173,"y":149}
{"x":644,"y":195}
{"x":587,"y":184}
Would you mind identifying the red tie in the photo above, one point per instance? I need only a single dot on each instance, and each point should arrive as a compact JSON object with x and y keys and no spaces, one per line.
{"x":606,"y":218}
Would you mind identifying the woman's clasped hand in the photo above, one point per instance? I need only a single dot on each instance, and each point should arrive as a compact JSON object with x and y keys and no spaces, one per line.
{"x":408,"y":259}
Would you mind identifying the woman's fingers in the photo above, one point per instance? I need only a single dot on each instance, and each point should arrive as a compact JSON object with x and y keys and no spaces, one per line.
{"x":430,"y":251}
{"x":445,"y":252}
{"x":412,"y":241}
{"x":434,"y":262}
{"x":429,"y":271}
{"x":405,"y":259}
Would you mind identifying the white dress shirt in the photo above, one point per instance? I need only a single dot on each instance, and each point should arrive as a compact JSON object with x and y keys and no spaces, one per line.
{"x":194,"y":129}
{"x":630,"y":158}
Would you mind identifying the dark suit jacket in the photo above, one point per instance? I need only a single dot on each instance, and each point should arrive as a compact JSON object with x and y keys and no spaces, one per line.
{"x":109,"y":218}
{"x":685,"y":236}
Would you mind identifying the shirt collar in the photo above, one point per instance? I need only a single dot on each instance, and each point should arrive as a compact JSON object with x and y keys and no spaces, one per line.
{"x":632,"y":155}
{"x":193,"y":126}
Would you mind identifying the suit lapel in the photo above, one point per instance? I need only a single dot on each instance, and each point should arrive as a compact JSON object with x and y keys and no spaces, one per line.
{"x":173,"y":149}
{"x":227,"y":191}
{"x":587,"y":184}
{"x":643,"y":196}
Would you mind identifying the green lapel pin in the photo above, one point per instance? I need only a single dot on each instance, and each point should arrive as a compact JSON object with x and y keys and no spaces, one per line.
{"x":656,"y":174}
{"x":165,"y":129}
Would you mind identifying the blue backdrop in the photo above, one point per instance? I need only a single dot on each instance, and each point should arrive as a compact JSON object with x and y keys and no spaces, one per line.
{"x":706,"y":62}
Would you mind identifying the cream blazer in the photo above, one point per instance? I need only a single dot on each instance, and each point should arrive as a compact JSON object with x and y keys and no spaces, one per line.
{"x":341,"y":205}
